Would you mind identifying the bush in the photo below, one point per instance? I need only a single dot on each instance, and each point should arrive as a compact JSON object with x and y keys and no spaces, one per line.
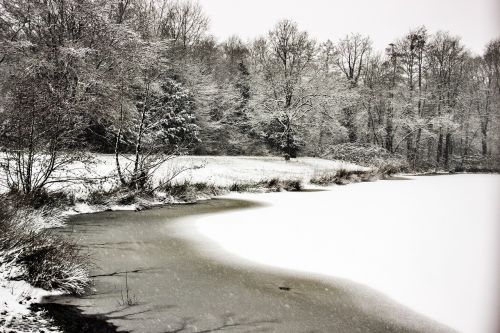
{"x":41,"y":198}
{"x":477,"y":164}
{"x":343,"y":176}
{"x":37,"y":254}
{"x":189,"y":192}
{"x":101,"y":196}
{"x":368,"y":155}
{"x":269,"y":185}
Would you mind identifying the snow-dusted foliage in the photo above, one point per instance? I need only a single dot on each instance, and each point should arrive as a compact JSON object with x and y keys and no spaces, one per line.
{"x":31,"y":252}
{"x":368,"y":155}
{"x":169,"y":117}
{"x":161,"y":124}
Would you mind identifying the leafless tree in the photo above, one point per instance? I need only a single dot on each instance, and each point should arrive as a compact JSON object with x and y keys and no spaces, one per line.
{"x":352,"y":54}
{"x":183,"y":21}
{"x":285,"y":62}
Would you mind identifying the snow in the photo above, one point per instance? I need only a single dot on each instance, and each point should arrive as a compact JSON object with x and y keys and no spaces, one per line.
{"x":429,"y":243}
{"x":227,"y":170}
{"x":214,"y":170}
{"x":16,"y":298}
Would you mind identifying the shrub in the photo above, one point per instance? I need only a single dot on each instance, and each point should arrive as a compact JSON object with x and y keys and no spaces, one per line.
{"x":189,"y":192}
{"x":40,"y":198}
{"x":477,"y":163}
{"x":101,"y":196}
{"x":39,"y":255}
{"x":268,"y":185}
{"x":368,"y":155}
{"x":292,"y":185}
{"x":343,"y":176}
{"x":241,"y":187}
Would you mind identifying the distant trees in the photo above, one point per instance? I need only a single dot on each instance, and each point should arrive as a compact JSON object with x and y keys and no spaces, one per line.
{"x":428,"y":99}
{"x":489,"y":85}
{"x":145,"y":80}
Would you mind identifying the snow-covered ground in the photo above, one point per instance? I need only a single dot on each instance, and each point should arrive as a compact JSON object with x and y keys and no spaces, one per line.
{"x":227,"y":170}
{"x":16,"y":298}
{"x":214,"y":170}
{"x":430,"y":243}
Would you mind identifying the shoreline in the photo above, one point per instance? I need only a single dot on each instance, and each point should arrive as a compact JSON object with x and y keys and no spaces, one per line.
{"x":161,"y":205}
{"x":259,"y":285}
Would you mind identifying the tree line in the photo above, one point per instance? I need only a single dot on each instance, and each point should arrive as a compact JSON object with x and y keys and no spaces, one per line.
{"x":145,"y":79}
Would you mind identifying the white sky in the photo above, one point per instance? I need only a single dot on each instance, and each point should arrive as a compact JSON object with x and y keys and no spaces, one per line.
{"x":476,"y":21}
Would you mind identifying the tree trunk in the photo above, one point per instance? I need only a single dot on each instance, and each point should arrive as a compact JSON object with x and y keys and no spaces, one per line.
{"x":138,"y":177}
{"x":348,"y":123}
{"x":389,"y":134}
{"x":484,"y":138}
{"x":117,"y":142}
{"x":409,"y":147}
{"x":439,"y":152}
{"x":416,"y":153}
{"x":448,"y":150}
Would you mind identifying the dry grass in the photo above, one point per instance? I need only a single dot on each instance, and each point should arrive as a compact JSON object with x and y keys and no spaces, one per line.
{"x":38,"y":255}
{"x":269,"y":185}
{"x":344,"y":176}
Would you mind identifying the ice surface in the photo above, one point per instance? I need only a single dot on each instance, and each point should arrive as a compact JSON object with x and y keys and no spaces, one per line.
{"x":430,"y":243}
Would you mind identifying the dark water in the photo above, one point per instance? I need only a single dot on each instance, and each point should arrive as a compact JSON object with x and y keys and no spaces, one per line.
{"x":174,"y":288}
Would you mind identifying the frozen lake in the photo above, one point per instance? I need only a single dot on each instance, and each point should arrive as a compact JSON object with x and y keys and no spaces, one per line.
{"x":429,"y":243}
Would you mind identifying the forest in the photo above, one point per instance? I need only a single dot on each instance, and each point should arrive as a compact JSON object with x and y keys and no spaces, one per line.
{"x":146,"y":78}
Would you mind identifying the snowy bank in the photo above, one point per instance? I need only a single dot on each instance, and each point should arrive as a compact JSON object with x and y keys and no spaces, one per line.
{"x":16,"y":297}
{"x":34,"y":263}
{"x":217,"y":172}
{"x":214,"y":170}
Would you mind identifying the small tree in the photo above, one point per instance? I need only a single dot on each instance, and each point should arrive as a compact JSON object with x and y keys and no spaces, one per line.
{"x":160,"y":126}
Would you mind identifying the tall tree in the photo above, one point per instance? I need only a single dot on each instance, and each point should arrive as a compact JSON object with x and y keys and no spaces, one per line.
{"x":352,"y":54}
{"x":285,"y":67}
{"x":446,"y":56}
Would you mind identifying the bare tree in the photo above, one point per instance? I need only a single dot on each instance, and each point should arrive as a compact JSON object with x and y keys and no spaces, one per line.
{"x":352,"y":54}
{"x":492,"y":58}
{"x":285,"y":64}
{"x":50,"y":91}
{"x":184,"y":22}
{"x":446,"y":56}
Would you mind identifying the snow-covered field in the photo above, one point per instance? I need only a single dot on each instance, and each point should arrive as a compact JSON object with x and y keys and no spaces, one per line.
{"x":430,"y":243}
{"x":226,"y":170}
{"x":213,"y":170}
